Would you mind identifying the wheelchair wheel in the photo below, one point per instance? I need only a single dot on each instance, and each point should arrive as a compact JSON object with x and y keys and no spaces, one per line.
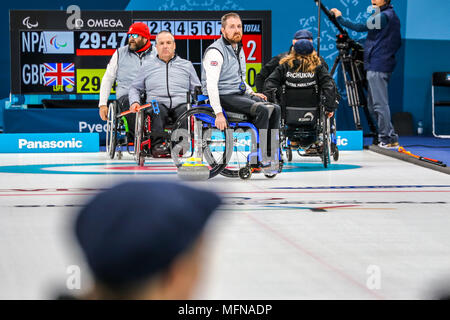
{"x":335,"y":152}
{"x":247,"y":153}
{"x":239,"y":153}
{"x":326,"y":140}
{"x":139,"y":156}
{"x":245,"y":173}
{"x":201,"y":140}
{"x":111,"y":132}
{"x":281,"y":166}
{"x":289,"y":154}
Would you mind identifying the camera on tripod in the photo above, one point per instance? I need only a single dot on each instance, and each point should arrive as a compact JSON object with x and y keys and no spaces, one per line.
{"x":344,"y":42}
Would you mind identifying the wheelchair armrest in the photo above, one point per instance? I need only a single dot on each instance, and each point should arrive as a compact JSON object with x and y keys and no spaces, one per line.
{"x":197,"y":91}
{"x":198,"y":95}
{"x":202,"y":97}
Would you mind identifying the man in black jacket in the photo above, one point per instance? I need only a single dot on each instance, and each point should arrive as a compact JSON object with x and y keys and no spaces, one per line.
{"x":382,"y":43}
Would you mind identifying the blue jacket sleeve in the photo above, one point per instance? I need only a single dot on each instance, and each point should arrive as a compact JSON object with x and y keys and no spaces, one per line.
{"x":364,"y":27}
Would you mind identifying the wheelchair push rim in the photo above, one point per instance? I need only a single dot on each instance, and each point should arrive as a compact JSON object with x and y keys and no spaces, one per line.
{"x":326,"y":140}
{"x":213,"y":145}
{"x":111,"y":132}
{"x":139,"y":157}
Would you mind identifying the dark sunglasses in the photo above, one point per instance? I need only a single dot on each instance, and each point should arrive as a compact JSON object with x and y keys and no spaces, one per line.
{"x":135,"y":36}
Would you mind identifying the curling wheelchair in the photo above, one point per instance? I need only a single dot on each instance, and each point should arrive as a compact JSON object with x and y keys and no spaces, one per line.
{"x":307,"y":130}
{"x":117,"y":138}
{"x":221,"y":150}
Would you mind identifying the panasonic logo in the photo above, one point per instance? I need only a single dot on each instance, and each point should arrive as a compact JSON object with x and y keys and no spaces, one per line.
{"x":53,"y":144}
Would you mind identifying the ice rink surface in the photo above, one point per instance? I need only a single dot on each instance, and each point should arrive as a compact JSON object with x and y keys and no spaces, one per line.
{"x":369,"y":227}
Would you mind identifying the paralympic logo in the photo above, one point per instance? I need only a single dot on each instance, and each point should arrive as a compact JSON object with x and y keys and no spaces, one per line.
{"x":57,"y":45}
{"x":26,"y":22}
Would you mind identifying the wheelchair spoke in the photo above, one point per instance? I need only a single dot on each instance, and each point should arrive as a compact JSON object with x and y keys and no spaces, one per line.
{"x":200,"y":140}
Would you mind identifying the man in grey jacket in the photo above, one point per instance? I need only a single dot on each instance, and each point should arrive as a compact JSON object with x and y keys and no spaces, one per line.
{"x":166,"y":78}
{"x":123,"y":67}
{"x":224,"y":81}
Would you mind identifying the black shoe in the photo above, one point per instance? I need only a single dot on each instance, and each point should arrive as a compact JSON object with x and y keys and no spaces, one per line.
{"x":130,"y":137}
{"x":161,"y":151}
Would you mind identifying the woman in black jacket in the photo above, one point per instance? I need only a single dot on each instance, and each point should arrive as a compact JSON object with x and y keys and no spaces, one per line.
{"x":305,"y":77}
{"x":301,"y":81}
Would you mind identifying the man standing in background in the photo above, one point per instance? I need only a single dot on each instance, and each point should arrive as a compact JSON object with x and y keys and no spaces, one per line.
{"x":382,"y":43}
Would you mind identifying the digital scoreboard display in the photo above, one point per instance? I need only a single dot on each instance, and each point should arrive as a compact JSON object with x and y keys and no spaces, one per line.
{"x":54,"y":54}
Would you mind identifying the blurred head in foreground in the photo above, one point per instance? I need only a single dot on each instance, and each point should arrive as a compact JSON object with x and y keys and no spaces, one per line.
{"x":143,"y":240}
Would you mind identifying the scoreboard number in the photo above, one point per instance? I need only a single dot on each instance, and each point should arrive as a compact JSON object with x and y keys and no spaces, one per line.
{"x":181,"y":28}
{"x":96,"y":40}
{"x":218,"y":27}
{"x":252,"y":70}
{"x":89,"y":81}
{"x":252,"y":45}
{"x":155,"y":27}
{"x":168,"y":26}
{"x":195,"y":28}
{"x":208,"y":28}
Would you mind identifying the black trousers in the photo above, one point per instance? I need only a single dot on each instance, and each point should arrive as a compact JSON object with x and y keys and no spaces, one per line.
{"x":243,"y":104}
{"x":124,"y":105}
{"x":259,"y":113}
{"x":161,"y":120}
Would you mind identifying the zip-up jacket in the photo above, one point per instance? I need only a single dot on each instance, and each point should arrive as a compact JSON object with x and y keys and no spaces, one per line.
{"x":123,"y":67}
{"x":167,"y":83}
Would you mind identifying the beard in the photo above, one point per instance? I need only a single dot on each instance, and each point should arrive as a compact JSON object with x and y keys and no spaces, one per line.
{"x":135,"y":46}
{"x":235,"y":38}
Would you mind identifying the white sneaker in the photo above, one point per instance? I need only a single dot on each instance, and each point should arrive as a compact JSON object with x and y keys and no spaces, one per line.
{"x":393,"y":145}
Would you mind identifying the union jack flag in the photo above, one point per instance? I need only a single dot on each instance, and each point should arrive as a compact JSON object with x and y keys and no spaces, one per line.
{"x":57,"y":74}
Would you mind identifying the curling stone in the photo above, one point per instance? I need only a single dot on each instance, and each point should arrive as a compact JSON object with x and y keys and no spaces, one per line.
{"x":193,"y":169}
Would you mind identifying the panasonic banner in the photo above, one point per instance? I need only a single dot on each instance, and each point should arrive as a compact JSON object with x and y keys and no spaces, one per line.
{"x":49,"y":142}
{"x":55,"y":120}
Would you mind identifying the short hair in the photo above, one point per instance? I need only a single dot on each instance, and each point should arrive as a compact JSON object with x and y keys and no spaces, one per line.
{"x":225,"y":17}
{"x":165,"y":31}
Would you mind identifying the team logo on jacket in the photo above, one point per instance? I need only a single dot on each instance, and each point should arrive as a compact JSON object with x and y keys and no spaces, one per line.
{"x":214,"y":63}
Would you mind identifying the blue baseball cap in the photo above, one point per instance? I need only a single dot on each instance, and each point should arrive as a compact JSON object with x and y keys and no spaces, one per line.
{"x":130,"y":232}
{"x":303,"y":47}
{"x":303,"y":34}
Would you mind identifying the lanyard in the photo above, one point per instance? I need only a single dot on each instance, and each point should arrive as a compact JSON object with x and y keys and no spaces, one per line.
{"x":242,"y":86}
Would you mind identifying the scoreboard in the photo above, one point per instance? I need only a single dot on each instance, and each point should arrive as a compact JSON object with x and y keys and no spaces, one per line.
{"x":56,"y":55}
